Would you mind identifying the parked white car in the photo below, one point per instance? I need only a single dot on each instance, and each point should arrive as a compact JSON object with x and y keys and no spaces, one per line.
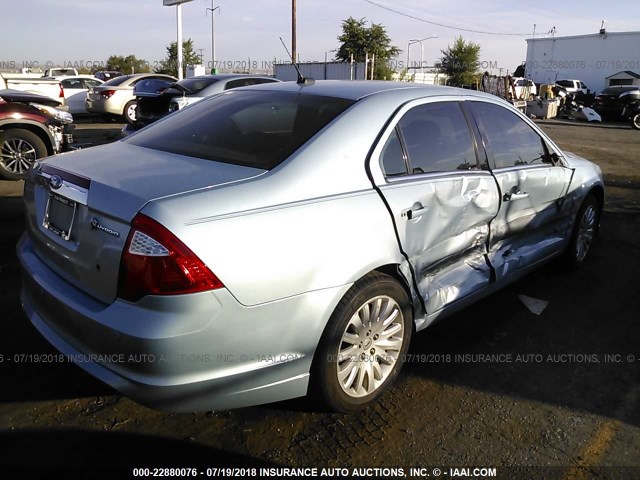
{"x":116,"y":97}
{"x":75,"y":91}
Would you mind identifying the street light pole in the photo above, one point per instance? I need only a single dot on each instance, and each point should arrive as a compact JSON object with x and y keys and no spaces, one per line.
{"x":178,"y":5}
{"x":179,"y":40}
{"x":411,"y":42}
{"x":213,"y":41}
{"x":325,"y":61}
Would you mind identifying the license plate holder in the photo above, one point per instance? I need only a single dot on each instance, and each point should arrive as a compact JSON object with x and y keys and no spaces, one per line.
{"x":59,"y":215}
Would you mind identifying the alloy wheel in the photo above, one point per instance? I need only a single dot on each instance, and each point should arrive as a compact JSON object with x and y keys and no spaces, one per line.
{"x":586,"y":232}
{"x":17,"y":155}
{"x":370,"y":346}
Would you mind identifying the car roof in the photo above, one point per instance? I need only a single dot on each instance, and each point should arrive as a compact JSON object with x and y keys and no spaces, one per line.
{"x":357,"y":89}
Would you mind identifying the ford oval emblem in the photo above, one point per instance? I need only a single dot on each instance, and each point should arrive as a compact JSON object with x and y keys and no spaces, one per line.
{"x":55,"y":181}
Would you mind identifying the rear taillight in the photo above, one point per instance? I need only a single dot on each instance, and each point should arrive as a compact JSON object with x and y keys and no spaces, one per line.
{"x":156,"y":262}
{"x":107,"y":93}
{"x":61,"y":93}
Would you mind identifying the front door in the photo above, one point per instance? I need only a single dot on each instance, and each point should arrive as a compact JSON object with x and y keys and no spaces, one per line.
{"x":533,"y":220}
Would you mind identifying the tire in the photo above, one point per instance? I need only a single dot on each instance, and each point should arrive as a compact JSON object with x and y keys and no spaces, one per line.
{"x":369,"y":353}
{"x":584,"y":232}
{"x":19,"y":148}
{"x":129,"y":112}
{"x":635,"y":121}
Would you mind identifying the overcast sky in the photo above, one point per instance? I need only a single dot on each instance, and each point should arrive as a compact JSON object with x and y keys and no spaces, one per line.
{"x":91,"y":30}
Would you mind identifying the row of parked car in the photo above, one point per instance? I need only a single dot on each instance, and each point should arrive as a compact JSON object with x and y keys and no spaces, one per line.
{"x":120,"y":96}
{"x":31,"y":127}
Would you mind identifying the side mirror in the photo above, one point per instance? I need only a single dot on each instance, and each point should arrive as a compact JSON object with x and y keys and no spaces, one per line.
{"x":552,"y":158}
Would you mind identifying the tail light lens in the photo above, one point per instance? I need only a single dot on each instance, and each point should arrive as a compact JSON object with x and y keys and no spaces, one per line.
{"x":107,"y":93}
{"x":61,"y":92}
{"x":156,"y":262}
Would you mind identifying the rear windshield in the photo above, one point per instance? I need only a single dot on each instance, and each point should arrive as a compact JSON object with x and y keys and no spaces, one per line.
{"x":195,"y":85}
{"x":256,"y":128}
{"x":114,"y":82}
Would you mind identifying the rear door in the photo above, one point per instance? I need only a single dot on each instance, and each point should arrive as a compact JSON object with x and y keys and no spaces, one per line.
{"x":533,"y":221}
{"x":441,"y":198}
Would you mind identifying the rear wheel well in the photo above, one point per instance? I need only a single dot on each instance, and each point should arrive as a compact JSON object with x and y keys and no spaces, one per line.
{"x":33,"y":129}
{"x":393,"y":270}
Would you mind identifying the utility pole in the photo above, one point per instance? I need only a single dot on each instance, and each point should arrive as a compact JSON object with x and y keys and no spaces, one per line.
{"x":294,"y":52}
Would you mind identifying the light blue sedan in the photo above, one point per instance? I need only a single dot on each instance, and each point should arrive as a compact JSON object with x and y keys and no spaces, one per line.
{"x":283,"y":239}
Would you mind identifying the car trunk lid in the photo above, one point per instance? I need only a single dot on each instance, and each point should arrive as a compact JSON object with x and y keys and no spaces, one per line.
{"x":80,"y":206}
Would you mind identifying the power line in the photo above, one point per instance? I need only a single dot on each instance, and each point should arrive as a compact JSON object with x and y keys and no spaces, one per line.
{"x":442,"y":24}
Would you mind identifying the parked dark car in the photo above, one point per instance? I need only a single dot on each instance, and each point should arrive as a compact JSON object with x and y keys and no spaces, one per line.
{"x":31,"y":127}
{"x":157,"y":99}
{"x":608,"y":102}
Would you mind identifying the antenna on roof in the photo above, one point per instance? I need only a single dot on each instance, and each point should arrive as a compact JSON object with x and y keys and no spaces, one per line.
{"x":602,"y":29}
{"x":301,"y":78}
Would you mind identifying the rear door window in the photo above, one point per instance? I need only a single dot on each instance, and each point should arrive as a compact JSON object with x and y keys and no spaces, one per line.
{"x":114,"y":82}
{"x":72,"y":83}
{"x":393,"y":158}
{"x":89,"y":83}
{"x":437,"y":138}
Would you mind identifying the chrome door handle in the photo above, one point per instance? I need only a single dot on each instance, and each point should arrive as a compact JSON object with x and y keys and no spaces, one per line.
{"x":412,"y":213}
{"x":517,"y":195}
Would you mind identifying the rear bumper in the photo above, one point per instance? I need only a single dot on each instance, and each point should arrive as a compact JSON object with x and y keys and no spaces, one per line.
{"x":194,"y":353}
{"x":103,"y":107}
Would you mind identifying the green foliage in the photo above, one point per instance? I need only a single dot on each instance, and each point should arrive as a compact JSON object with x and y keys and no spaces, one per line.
{"x":460,"y":62}
{"x":169,"y":65}
{"x":359,"y":40}
{"x":126,"y":65}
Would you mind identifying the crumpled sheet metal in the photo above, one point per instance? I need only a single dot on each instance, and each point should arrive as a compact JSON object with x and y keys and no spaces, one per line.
{"x":453,"y":236}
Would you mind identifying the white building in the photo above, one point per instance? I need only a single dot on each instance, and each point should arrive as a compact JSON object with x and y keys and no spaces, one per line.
{"x":428,"y":77}
{"x":594,"y":58}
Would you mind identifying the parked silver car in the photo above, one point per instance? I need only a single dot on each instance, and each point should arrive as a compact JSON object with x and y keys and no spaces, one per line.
{"x":115,"y":97}
{"x":281,"y":239}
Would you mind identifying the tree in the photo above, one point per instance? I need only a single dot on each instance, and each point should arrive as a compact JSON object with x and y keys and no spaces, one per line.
{"x":359,"y":40}
{"x":126,"y":65}
{"x":460,"y":62}
{"x":169,"y":65}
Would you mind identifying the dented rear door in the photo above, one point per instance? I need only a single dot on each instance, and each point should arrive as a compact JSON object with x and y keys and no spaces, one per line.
{"x":441,"y":200}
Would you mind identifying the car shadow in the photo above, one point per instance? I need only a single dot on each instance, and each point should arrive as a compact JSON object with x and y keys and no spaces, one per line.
{"x":581,"y":352}
{"x":79,"y":454}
